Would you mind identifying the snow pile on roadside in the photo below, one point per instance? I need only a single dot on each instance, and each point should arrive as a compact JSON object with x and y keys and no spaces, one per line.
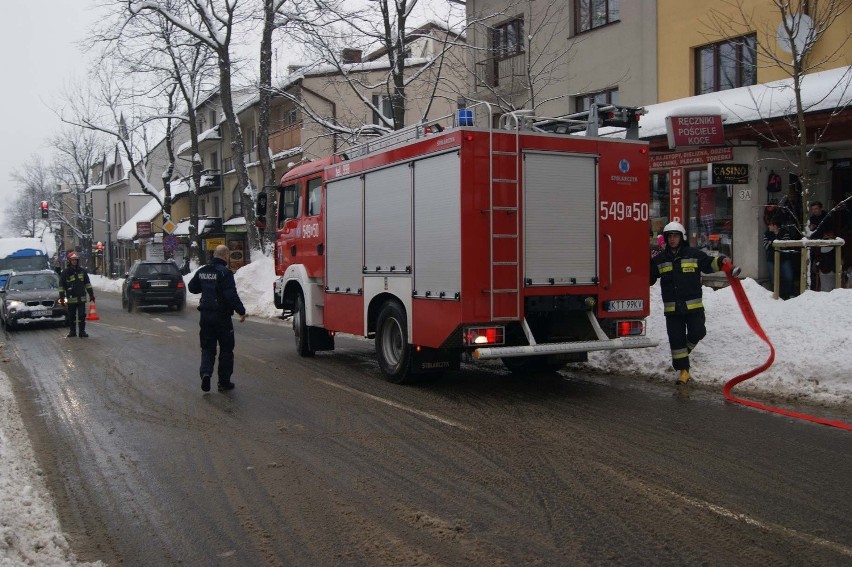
{"x":810,"y":334}
{"x":29,"y":529}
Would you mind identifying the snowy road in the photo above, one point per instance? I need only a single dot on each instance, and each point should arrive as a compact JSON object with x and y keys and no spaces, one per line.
{"x":320,"y":462}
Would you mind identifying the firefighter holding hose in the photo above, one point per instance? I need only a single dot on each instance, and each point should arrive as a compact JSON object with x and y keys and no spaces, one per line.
{"x":679,"y":268}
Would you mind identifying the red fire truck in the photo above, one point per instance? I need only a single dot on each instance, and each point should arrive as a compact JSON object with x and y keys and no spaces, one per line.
{"x":518,"y":241}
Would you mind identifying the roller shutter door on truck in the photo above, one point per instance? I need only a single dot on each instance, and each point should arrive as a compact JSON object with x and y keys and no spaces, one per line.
{"x":560,"y":219}
{"x":344,"y":229}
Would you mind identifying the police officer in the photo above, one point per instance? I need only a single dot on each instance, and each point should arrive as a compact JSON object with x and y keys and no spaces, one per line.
{"x":74,"y":285}
{"x":679,"y":268}
{"x":219,"y":301}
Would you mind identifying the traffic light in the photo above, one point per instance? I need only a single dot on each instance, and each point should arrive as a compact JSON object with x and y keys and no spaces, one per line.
{"x":44,"y":210}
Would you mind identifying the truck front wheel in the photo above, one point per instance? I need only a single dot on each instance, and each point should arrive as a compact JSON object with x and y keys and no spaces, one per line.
{"x":392,"y":348}
{"x":300,"y":328}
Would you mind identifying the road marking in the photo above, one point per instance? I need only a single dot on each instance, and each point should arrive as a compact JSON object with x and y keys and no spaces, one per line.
{"x":177,"y":329}
{"x":766,"y":526}
{"x":157,"y":319}
{"x":127,"y":329}
{"x":396,"y":405}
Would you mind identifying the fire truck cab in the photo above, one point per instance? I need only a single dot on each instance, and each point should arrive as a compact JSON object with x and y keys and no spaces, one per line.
{"x":518,"y":241}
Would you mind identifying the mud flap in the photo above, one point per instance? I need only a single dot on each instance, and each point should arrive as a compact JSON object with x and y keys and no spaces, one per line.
{"x":428,"y":360}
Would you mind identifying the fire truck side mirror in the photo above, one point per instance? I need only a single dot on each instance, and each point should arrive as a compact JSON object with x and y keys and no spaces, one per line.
{"x":260,"y":206}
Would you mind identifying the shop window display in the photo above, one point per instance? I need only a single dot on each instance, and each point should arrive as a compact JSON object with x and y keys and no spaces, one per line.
{"x":710,"y":224}
{"x":660,"y":206}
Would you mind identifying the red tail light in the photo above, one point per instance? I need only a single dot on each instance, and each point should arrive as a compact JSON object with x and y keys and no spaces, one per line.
{"x":136,"y":285}
{"x":484,"y":336}
{"x":180,"y":284}
{"x":631,"y":328}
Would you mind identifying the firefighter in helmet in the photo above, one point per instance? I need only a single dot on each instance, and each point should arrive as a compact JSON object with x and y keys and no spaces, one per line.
{"x":74,"y":286}
{"x":679,"y":268}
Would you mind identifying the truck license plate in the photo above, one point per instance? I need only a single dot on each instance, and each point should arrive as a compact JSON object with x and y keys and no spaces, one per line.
{"x":626,"y":305}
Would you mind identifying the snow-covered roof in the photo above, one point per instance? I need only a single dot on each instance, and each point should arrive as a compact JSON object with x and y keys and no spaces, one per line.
{"x":236,"y":221}
{"x":289,"y":152}
{"x":95,"y":188}
{"x":147,"y":213}
{"x":183,"y":226}
{"x":209,"y":134}
{"x":820,"y":91}
{"x":179,"y":187}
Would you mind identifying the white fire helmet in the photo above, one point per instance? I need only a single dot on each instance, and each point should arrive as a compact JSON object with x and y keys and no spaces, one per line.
{"x":674,"y":227}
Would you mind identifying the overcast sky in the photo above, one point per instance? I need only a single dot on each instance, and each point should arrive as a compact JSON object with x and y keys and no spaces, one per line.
{"x":40,"y":57}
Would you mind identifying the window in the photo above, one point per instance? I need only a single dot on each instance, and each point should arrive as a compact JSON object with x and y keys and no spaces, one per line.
{"x":383,"y":103}
{"x":251,"y":141}
{"x":590,"y":14}
{"x":314,"y":197}
{"x":507,"y":40}
{"x":214,"y":160}
{"x":215,"y":210}
{"x":212,"y":115}
{"x":726,"y":65}
{"x":660,"y":203}
{"x":710,"y":214}
{"x":291,"y":204}
{"x":202,"y":207}
{"x":292,"y":116}
{"x":609,"y":96}
{"x":237,"y":202}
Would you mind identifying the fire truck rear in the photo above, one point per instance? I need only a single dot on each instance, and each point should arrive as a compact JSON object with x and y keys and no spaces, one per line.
{"x":520,"y":242}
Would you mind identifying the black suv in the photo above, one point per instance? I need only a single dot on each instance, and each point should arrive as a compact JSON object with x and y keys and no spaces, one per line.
{"x":153,"y":283}
{"x":30,"y":296}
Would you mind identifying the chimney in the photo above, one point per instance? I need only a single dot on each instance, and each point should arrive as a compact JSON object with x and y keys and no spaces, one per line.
{"x":350,"y":55}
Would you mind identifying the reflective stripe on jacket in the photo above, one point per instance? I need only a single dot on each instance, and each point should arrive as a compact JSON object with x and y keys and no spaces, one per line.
{"x":74,"y":284}
{"x":679,"y":273}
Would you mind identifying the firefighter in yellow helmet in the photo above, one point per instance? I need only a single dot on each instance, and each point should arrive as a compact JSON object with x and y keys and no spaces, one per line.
{"x":74,"y":286}
{"x":679,"y":268}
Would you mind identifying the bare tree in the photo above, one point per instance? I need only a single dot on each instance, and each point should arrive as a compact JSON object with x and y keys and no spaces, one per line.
{"x":330,"y":28}
{"x":182,"y":70}
{"x":214,"y":24}
{"x":519,"y":56}
{"x":267,"y":164}
{"x":75,"y":151}
{"x":788,"y":42}
{"x":35,"y":184}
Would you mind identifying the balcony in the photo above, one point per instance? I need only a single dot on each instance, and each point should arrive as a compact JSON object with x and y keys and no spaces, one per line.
{"x":211,"y":180}
{"x":501,"y":73}
{"x":285,"y":138}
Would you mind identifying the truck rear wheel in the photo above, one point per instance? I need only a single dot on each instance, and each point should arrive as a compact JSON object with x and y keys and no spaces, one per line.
{"x":300,"y":328}
{"x":392,"y":348}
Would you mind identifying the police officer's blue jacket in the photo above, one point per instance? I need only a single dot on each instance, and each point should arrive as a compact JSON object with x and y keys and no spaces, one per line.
{"x":215,"y":283}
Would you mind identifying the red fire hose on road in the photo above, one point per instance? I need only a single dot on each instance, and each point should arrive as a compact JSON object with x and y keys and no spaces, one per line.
{"x":751,"y":319}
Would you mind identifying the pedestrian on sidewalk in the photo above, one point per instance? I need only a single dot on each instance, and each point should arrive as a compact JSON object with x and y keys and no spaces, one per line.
{"x":679,"y":268}
{"x":74,"y":286}
{"x":219,"y":300}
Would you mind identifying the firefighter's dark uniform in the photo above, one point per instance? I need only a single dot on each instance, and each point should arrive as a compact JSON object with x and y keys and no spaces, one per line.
{"x":74,"y":287}
{"x":219,"y":301}
{"x":679,"y":272}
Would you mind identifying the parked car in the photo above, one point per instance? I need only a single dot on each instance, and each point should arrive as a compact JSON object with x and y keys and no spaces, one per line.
{"x":30,"y":296}
{"x":153,"y":283}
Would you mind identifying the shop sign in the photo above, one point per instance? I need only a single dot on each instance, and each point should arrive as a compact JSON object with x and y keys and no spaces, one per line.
{"x":728,"y":173}
{"x":694,"y":131}
{"x":143,"y":229}
{"x":689,"y":158}
{"x":676,"y":196}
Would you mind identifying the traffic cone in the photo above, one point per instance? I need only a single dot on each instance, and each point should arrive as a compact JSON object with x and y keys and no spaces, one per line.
{"x":93,"y":313}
